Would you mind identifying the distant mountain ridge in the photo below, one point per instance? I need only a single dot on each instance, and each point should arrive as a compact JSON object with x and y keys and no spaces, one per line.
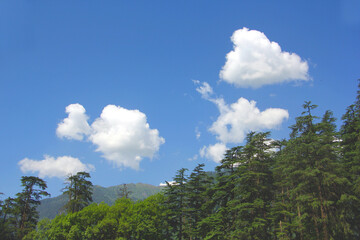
{"x":50,"y":207}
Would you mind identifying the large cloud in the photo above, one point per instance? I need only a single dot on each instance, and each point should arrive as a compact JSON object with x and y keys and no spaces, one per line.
{"x":75,"y":126}
{"x":236,"y":120}
{"x":54,"y":167}
{"x":256,"y":61}
{"x":123,"y":136}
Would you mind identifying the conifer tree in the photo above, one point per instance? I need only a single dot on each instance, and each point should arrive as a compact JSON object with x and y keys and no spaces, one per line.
{"x":26,"y":203}
{"x":79,"y":191}
{"x":253,"y":189}
{"x":196,"y":187}
{"x":8,"y":223}
{"x":350,"y":149}
{"x":314,"y":175}
{"x":175,"y":195}
{"x":124,"y":192}
{"x":222,"y":218}
{"x":282,"y":211}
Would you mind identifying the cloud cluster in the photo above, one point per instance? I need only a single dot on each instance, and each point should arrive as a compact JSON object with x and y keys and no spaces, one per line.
{"x":123,"y":136}
{"x":236,"y":120}
{"x":256,"y":61}
{"x":54,"y":167}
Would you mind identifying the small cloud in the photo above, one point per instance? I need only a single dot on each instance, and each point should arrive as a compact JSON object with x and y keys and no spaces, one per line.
{"x":194,"y":158}
{"x":204,"y":89}
{"x":272,"y":149}
{"x":272,"y":95}
{"x":197,"y":133}
{"x":165,"y":184}
{"x":75,"y":126}
{"x":256,"y":61}
{"x":214,"y":152}
{"x":54,"y":167}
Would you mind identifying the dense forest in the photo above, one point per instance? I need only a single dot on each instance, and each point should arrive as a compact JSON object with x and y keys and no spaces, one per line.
{"x":306,"y":187}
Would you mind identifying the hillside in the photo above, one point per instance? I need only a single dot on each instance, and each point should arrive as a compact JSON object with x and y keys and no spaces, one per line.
{"x":50,"y":207}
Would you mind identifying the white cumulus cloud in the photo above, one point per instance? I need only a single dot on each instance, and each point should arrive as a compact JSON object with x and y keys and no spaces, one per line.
{"x":256,"y":61}
{"x":214,"y":152}
{"x":235,"y":121}
{"x":123,"y":136}
{"x":54,"y":167}
{"x":75,"y":126}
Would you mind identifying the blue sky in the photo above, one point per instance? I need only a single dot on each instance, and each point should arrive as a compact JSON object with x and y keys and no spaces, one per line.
{"x":153,"y":69}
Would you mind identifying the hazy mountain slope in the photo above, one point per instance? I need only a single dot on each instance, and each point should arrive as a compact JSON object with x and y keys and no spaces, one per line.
{"x":50,"y":207}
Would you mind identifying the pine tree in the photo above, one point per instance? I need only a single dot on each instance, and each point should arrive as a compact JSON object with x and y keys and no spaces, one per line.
{"x":8,"y":223}
{"x":196,"y":187}
{"x":282,"y":211}
{"x":350,"y":149}
{"x":124,"y":192}
{"x":253,"y":189}
{"x":26,"y":203}
{"x":313,"y":173}
{"x":222,"y":219}
{"x":175,"y":195}
{"x":79,"y":191}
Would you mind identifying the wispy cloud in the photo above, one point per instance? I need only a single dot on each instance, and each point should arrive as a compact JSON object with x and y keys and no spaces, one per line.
{"x":197,"y":133}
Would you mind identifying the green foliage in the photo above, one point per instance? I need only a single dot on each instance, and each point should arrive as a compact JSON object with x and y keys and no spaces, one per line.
{"x":197,"y":188}
{"x":124,"y":220}
{"x":18,"y":215}
{"x":8,"y":220}
{"x":253,"y":188}
{"x":26,"y":203}
{"x":79,"y":191}
{"x":175,"y":203}
{"x":50,"y":207}
{"x":350,"y":152}
{"x":124,"y":191}
{"x":311,"y":181}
